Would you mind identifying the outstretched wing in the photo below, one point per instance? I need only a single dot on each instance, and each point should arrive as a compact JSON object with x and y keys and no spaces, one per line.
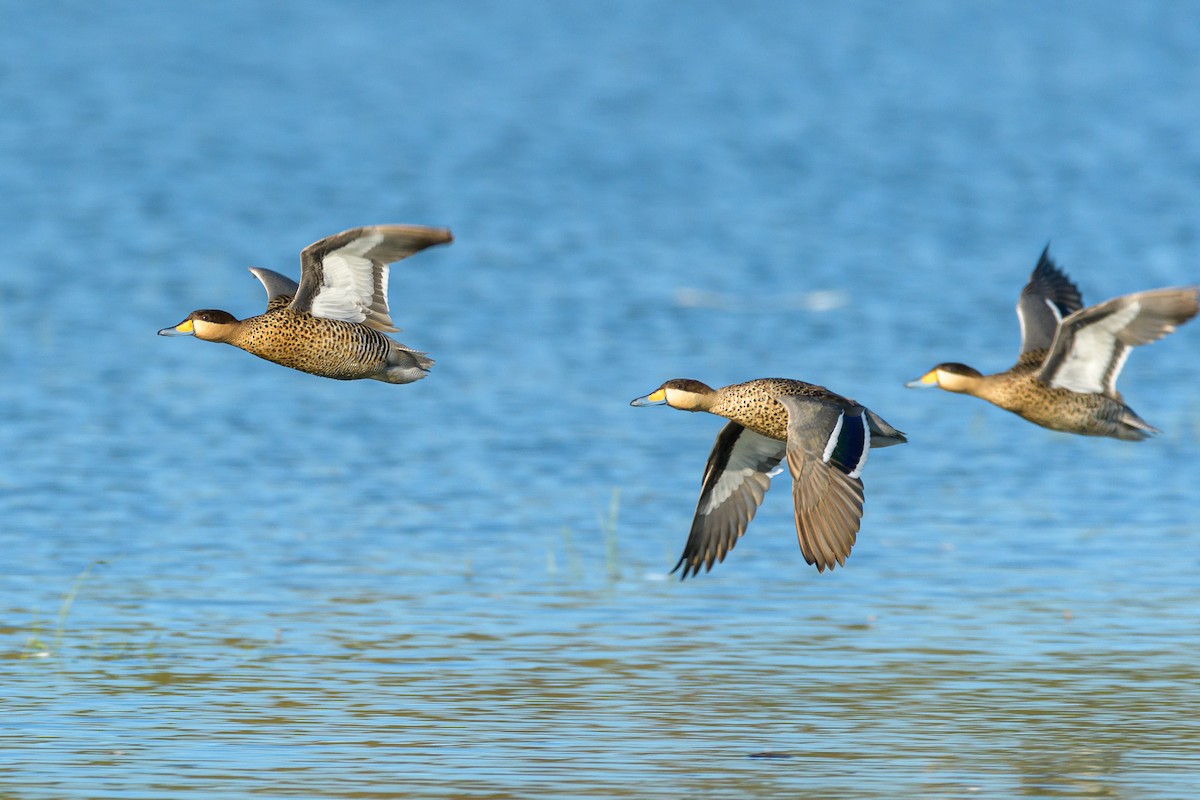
{"x":827,"y":448}
{"x":345,"y":276}
{"x":735,"y":479}
{"x":1092,"y":344}
{"x":1044,"y":302}
{"x":281,"y":289}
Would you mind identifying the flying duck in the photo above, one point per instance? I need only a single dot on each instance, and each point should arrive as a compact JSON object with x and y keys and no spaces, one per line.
{"x":331,"y":323}
{"x":825,"y":438}
{"x":1065,"y":378}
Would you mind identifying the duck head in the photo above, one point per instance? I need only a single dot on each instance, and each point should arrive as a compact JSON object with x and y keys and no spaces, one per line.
{"x":951,"y":376}
{"x":682,"y":393}
{"x":209,"y":324}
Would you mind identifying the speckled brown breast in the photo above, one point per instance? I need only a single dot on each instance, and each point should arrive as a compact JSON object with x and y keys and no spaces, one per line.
{"x":330,"y":348}
{"x":753,"y":404}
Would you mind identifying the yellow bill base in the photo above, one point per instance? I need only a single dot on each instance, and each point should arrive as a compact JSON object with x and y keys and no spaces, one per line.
{"x":654,"y":398}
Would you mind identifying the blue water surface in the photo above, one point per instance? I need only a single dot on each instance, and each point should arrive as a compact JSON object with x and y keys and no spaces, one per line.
{"x":227,"y":579}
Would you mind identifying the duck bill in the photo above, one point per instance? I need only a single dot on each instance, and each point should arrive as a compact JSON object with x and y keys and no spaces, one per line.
{"x":926,"y":381}
{"x":655,"y":398}
{"x":184,"y":328}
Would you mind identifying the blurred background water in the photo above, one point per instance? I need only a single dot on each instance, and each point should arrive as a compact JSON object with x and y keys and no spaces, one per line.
{"x":223,"y":578}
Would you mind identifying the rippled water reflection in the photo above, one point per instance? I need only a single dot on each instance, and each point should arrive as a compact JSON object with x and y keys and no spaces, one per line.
{"x":225,"y":579}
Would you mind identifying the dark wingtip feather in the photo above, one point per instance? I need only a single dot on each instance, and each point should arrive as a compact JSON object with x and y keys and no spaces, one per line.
{"x":688,"y":568}
{"x":1050,"y":281}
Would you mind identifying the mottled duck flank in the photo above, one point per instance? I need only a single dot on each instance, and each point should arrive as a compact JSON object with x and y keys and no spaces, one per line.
{"x":330,"y":324}
{"x":1065,"y":378}
{"x":825,"y":438}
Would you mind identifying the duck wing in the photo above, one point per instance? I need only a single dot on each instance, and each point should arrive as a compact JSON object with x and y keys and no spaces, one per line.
{"x":736,"y":477}
{"x":1092,"y":344}
{"x":1044,"y":302}
{"x":280,"y":288}
{"x":345,"y":276}
{"x":827,"y":447}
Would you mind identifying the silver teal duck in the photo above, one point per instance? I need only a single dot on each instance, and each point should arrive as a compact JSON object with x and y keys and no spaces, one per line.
{"x":331,"y":323}
{"x":825,"y":438}
{"x":1065,"y":377}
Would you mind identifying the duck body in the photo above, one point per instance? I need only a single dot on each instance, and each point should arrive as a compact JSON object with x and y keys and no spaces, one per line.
{"x":825,"y":439}
{"x":759,"y":406}
{"x":330,"y":348}
{"x":1065,"y":377}
{"x":1021,"y":391}
{"x":331,"y":323}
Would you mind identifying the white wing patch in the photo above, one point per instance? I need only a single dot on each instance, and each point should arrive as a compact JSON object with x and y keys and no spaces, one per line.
{"x":866,"y":451}
{"x":1096,"y":355}
{"x":750,"y":455}
{"x":833,"y":438}
{"x":1053,"y":308}
{"x":348,"y":281}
